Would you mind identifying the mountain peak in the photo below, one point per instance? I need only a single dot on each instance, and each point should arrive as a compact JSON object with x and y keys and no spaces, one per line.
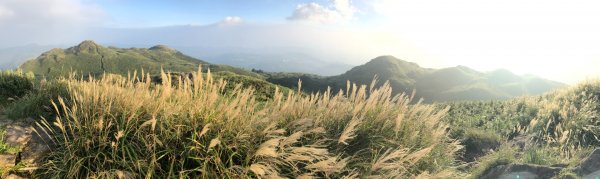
{"x":391,"y":61}
{"x":87,"y":46}
{"x":386,"y":58}
{"x":163,"y":48}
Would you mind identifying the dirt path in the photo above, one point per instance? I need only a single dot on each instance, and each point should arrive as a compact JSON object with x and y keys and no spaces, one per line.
{"x":25,"y":147}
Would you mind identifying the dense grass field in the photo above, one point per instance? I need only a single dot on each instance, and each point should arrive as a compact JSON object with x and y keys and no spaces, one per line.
{"x":558,"y":128}
{"x":207,"y":127}
{"x":118,"y":126}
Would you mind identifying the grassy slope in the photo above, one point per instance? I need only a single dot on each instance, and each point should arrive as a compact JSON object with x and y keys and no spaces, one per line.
{"x":448,"y":84}
{"x":573,"y":109}
{"x":91,"y":58}
{"x":555,"y":128}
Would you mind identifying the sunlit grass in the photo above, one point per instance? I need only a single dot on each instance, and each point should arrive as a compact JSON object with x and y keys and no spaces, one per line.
{"x":117,"y":126}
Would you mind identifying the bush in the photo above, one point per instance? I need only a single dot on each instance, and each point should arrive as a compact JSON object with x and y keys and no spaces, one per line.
{"x":478,"y":142}
{"x":541,"y":156}
{"x":115,"y":127}
{"x":15,"y":84}
{"x":39,"y":103}
{"x":568,"y":174}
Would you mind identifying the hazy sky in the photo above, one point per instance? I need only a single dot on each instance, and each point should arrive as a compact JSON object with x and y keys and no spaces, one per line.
{"x":555,"y":39}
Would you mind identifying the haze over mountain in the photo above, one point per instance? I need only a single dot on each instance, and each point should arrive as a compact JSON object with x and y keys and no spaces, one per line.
{"x":285,"y":62}
{"x":12,"y":57}
{"x":446,"y":84}
{"x":249,"y":45}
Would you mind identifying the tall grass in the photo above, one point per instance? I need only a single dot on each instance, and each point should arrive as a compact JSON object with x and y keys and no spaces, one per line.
{"x":129,"y":127}
{"x":568,"y":119}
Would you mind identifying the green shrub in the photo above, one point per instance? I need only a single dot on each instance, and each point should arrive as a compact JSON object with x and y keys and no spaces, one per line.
{"x":15,"y":84}
{"x":39,"y":103}
{"x":478,"y":142}
{"x":568,"y":174}
{"x":541,"y":156}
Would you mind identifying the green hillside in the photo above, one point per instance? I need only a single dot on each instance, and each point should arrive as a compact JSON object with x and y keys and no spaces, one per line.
{"x":91,"y":58}
{"x":447,"y":84}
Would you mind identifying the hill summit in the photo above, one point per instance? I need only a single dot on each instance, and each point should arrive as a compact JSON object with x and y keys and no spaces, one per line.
{"x":87,"y":46}
{"x":163,"y":48}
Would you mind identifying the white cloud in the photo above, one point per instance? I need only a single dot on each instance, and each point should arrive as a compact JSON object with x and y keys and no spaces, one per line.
{"x":43,"y":21}
{"x":514,"y":34}
{"x":339,"y":11}
{"x":344,"y":7}
{"x":385,"y":7}
{"x":5,"y":12}
{"x":230,"y":20}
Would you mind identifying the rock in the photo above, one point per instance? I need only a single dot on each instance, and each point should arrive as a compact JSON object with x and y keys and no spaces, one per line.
{"x":521,"y":171}
{"x":590,"y":166}
{"x":34,"y":151}
{"x":594,"y":175}
{"x":7,"y":160}
{"x":519,"y":175}
{"x":21,"y":134}
{"x":17,"y":135}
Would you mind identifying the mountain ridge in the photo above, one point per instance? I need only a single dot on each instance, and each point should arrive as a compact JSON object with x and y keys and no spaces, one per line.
{"x":445,"y":84}
{"x":90,"y":57}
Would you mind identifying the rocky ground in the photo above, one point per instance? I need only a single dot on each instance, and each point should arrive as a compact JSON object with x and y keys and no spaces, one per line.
{"x":26,"y":148}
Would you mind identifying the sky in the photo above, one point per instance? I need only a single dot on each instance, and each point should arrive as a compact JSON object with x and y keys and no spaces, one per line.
{"x":554,"y":39}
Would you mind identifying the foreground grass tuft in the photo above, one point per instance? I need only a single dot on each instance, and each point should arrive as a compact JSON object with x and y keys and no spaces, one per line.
{"x":125,"y":127}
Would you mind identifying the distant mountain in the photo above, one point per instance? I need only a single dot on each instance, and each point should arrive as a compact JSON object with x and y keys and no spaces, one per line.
{"x":279,"y":62}
{"x":447,"y":84}
{"x":91,"y":58}
{"x":12,"y":57}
